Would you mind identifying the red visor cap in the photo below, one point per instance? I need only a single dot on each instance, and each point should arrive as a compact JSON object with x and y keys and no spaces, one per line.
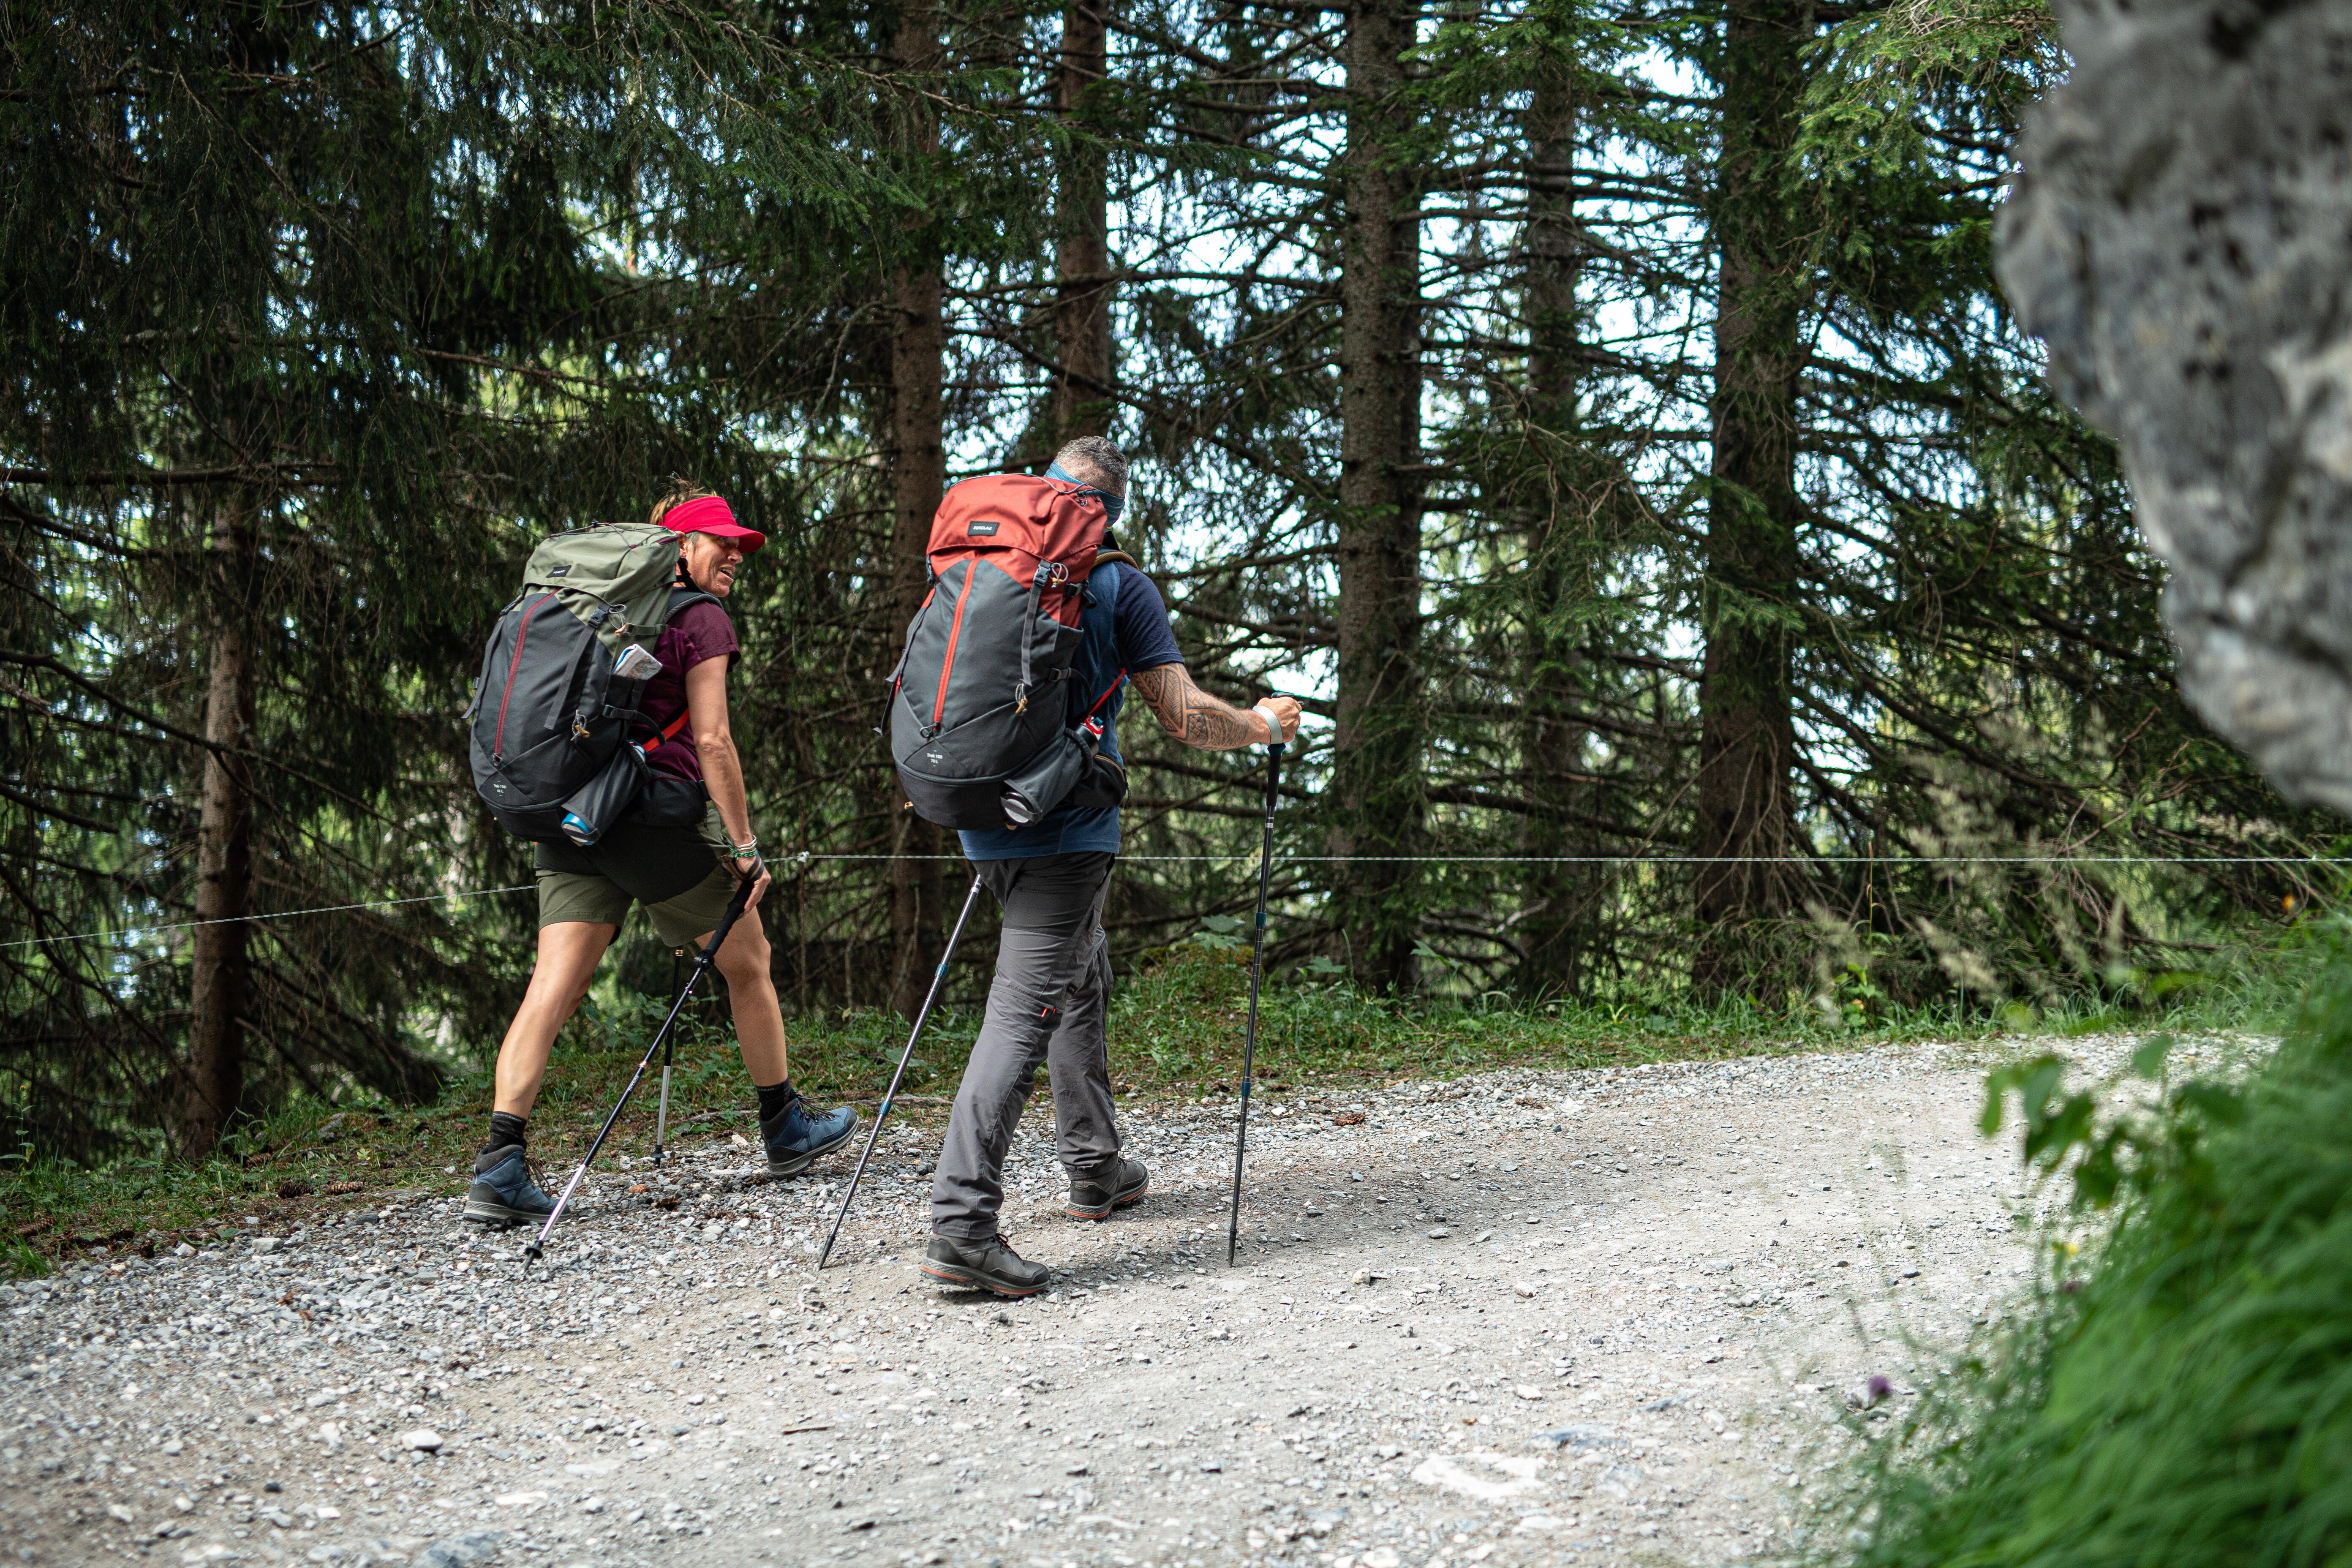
{"x":708,"y":514}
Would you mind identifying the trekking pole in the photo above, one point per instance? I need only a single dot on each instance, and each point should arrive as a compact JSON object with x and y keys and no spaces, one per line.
{"x":661,"y":1110}
{"x":922,"y":1017}
{"x":702,"y":961}
{"x":1257,"y":968}
{"x":669,"y":1051}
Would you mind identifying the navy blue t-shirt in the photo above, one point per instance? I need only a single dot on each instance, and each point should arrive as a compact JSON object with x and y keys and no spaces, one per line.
{"x":1124,"y":631}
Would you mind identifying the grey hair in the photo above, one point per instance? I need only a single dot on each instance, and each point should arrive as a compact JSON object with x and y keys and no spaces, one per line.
{"x":1092,"y":458}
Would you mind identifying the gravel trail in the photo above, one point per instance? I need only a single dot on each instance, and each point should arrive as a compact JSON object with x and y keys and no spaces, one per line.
{"x":1523,"y":1317}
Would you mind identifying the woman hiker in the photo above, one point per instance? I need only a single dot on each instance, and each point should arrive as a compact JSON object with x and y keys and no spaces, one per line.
{"x":586,"y":894}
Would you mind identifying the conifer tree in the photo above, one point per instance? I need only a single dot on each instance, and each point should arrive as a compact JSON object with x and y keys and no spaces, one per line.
{"x":290,"y":373}
{"x":1376,"y":747}
{"x":1604,"y":414}
{"x":1749,"y":608}
{"x":918,"y":457}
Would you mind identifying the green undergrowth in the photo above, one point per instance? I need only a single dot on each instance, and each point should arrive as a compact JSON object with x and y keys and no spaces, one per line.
{"x":1176,"y":1032}
{"x":2179,"y":1393}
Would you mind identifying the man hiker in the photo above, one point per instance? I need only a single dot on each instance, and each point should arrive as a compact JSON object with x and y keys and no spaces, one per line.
{"x":1052,"y":987}
{"x":584,"y":894}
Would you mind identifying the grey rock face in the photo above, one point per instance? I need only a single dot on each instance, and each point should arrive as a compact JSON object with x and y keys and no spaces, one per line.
{"x":2181,"y":238}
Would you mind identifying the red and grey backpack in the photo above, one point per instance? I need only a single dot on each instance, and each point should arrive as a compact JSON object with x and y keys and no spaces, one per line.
{"x":985,"y":725}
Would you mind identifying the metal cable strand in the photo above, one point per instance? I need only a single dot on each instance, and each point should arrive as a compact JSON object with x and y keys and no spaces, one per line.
{"x":1701,"y":859}
{"x":278,"y":915}
{"x":805,"y":858}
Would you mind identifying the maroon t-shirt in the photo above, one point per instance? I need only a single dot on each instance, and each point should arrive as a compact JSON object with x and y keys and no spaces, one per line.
{"x":698,"y":632}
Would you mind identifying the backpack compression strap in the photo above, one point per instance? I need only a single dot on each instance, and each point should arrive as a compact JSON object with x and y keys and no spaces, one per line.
{"x":670,"y":731}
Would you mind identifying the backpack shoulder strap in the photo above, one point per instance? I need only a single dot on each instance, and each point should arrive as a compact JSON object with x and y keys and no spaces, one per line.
{"x":681,"y":596}
{"x":1102,"y":586}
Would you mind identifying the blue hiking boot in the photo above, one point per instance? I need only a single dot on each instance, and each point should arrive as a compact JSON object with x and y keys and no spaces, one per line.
{"x":505,"y":1191}
{"x":796,"y":1140}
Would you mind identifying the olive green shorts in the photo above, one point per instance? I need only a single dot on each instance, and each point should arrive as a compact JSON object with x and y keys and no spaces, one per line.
{"x":678,"y":921}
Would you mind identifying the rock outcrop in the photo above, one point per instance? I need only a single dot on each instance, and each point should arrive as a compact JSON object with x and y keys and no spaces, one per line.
{"x":2181,"y":238}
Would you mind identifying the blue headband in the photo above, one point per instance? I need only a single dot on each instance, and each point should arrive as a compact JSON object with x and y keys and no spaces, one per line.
{"x":1112,"y":504}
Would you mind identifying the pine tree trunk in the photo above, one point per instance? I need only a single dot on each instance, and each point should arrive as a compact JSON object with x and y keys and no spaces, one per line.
{"x":1377,"y":740}
{"x":1746,"y":742}
{"x":1559,"y":898}
{"x":220,"y":984}
{"x":1082,"y":331}
{"x":917,"y":479}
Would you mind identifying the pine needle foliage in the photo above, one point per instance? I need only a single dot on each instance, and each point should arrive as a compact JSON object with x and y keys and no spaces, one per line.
{"x":318,"y":317}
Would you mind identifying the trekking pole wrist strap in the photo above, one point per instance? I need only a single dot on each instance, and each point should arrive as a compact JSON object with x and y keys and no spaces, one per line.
{"x":1273,"y":725}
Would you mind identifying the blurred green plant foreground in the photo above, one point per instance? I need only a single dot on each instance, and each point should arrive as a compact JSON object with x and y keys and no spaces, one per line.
{"x":2185,"y":1399}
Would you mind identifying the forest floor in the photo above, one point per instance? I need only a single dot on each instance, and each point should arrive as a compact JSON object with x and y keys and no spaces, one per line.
{"x":1616,"y":1315}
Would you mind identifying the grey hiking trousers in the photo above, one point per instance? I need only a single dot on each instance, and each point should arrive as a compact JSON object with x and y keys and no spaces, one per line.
{"x":1048,"y":1003}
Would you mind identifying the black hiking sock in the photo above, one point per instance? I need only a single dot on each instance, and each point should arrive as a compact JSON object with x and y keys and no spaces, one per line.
{"x":506,"y":1131}
{"x":775,"y":1099}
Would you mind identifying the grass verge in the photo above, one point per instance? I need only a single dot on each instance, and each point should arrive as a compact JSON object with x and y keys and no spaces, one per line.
{"x":2183,"y":1398}
{"x":1176,"y":1030}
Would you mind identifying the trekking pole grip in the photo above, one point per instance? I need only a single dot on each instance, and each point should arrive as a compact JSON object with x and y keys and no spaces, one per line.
{"x":735,"y":907}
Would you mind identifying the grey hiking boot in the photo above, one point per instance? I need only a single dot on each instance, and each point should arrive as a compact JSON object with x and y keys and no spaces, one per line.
{"x":797,"y":1139}
{"x":506,"y":1190}
{"x":987,"y":1265}
{"x":1114,"y":1186}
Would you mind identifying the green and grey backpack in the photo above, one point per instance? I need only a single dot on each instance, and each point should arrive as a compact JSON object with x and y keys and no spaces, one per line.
{"x":554,"y":711}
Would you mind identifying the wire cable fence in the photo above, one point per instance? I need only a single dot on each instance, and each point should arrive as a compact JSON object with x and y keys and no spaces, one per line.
{"x":1891,"y":862}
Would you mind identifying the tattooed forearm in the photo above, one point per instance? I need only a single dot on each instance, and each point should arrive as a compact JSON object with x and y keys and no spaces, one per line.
{"x":1194,"y":717}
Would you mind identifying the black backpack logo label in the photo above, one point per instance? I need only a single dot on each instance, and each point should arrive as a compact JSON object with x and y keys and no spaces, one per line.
{"x":982,"y":531}
{"x":562,"y":571}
